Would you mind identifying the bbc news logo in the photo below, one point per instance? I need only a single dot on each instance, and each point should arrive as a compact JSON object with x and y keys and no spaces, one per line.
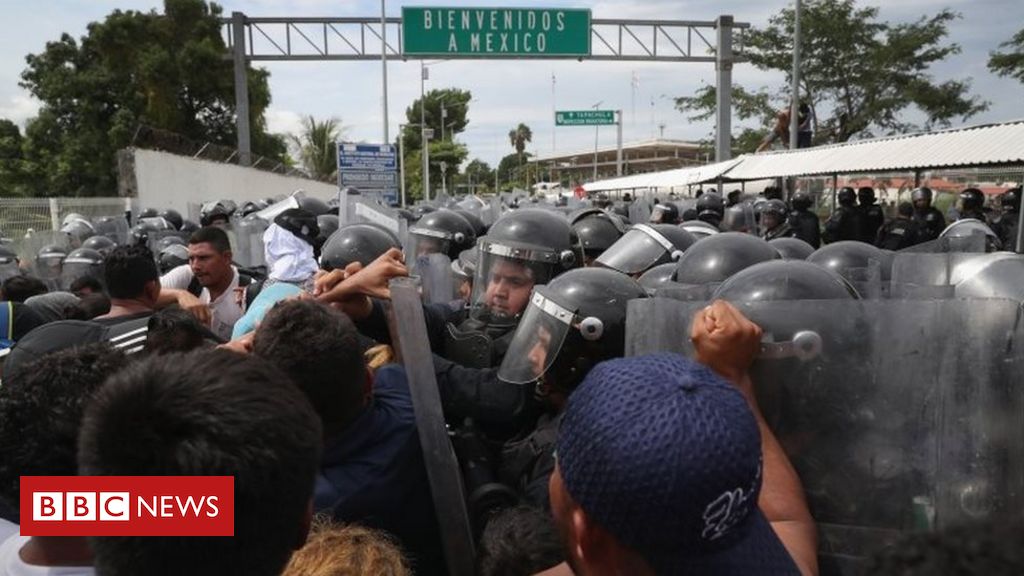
{"x":127,"y":506}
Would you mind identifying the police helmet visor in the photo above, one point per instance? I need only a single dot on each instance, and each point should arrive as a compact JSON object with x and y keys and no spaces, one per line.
{"x":639,"y":249}
{"x":502,"y":283}
{"x":537,"y":341}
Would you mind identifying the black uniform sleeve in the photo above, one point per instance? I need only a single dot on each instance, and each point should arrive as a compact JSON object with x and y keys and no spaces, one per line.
{"x":477,"y":393}
{"x":437,"y":317}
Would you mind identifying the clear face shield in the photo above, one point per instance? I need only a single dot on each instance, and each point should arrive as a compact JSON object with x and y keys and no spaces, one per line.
{"x":503,"y":281}
{"x":423,"y":242}
{"x":638,"y":250}
{"x":739,"y":218}
{"x":537,"y":341}
{"x":48,"y":267}
{"x":75,"y":268}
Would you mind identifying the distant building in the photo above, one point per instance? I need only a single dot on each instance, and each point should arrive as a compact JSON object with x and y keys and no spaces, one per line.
{"x":577,"y":166}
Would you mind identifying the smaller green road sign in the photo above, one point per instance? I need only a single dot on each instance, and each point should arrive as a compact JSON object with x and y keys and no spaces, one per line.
{"x":495,"y":32}
{"x":584,"y":117}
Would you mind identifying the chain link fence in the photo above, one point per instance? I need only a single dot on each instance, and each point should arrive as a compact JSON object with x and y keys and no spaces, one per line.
{"x":19,"y":215}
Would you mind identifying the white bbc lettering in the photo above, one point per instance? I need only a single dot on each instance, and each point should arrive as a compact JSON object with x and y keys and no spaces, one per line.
{"x":80,"y":506}
{"x":47,"y":506}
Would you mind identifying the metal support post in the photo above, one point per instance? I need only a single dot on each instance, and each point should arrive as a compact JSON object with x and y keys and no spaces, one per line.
{"x":241,"y":89}
{"x":401,"y":158}
{"x":723,"y":69}
{"x":618,"y":151}
{"x":424,"y":151}
{"x":384,"y":66}
{"x":794,"y":109}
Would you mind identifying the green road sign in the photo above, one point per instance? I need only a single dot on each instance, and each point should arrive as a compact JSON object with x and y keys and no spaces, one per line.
{"x":495,"y":32}
{"x":584,"y":117}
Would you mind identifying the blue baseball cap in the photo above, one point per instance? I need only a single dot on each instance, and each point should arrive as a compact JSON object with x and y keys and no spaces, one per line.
{"x":666,"y":456}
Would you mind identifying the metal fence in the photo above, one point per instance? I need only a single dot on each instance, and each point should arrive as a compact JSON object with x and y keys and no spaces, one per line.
{"x":18,"y":215}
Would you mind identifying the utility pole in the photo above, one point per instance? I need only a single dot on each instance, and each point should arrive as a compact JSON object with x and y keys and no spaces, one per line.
{"x":241,"y":89}
{"x":384,"y":65}
{"x":596,"y":127}
{"x":618,"y":151}
{"x":794,"y":110}
{"x":424,"y":149}
{"x":723,"y":100}
{"x":401,"y":158}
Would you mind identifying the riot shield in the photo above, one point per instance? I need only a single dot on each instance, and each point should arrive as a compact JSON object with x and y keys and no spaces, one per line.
{"x":898,"y":415}
{"x":409,"y":334}
{"x":640,"y":211}
{"x":46,"y":267}
{"x":274,"y":210}
{"x":248,"y":248}
{"x":937,"y":275}
{"x":114,"y":227}
{"x":435,"y":274}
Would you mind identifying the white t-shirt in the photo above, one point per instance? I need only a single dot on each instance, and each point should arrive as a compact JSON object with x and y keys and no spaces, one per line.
{"x":11,"y":563}
{"x":224,"y":311}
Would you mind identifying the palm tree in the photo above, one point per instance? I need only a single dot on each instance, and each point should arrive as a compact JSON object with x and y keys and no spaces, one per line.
{"x":518,"y":137}
{"x":317,"y":146}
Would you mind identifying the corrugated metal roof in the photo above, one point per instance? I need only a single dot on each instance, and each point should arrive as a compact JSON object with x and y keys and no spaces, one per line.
{"x":991,"y":144}
{"x":664,"y":179}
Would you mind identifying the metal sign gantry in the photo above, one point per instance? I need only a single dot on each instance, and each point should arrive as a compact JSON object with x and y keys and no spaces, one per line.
{"x":313,"y":39}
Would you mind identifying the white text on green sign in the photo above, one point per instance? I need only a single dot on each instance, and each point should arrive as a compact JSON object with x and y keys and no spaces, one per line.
{"x":495,"y":32}
{"x":584,"y":117}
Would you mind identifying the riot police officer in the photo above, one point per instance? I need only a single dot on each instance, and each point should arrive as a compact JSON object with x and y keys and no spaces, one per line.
{"x":871,"y":216}
{"x":900,"y":232}
{"x":173,"y":217}
{"x":597,"y":231}
{"x":664,"y":213}
{"x":645,"y":246}
{"x":773,"y":221}
{"x":1010,"y":217}
{"x":711,"y":208}
{"x":844,"y":224}
{"x":441,"y":232}
{"x":805,"y":224}
{"x":359,"y":242}
{"x":575,"y":322}
{"x":930,"y":221}
{"x":972,"y":202}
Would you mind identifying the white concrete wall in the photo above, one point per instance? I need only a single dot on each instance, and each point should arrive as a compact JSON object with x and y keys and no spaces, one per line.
{"x":170,"y":181}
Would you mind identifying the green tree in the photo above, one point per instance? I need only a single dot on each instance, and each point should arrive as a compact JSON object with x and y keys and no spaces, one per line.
{"x":165,"y":70}
{"x":318,"y":147}
{"x":510,"y":170}
{"x":859,"y":75}
{"x":519,"y":136}
{"x":456,"y":108}
{"x":12,"y":162}
{"x":1011,"y":62}
{"x":445,"y":158}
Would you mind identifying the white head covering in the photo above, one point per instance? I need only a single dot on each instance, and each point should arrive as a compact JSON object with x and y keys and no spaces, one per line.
{"x":289,"y":258}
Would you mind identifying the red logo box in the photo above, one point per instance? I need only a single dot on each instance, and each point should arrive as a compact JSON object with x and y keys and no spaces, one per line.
{"x":127,"y":506}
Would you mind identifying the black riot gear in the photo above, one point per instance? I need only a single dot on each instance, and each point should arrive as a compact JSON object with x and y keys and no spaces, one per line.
{"x":216,"y":211}
{"x":658,"y":277}
{"x":315,"y":206}
{"x":718,"y":257}
{"x":846,"y":196}
{"x":78,"y":231}
{"x":441,"y":232}
{"x":597,"y":231}
{"x":1010,"y":218}
{"x":801,"y":201}
{"x":845,"y":222}
{"x":711,"y":208}
{"x":83,"y":262}
{"x":49,"y":261}
{"x":792,"y":248}
{"x":301,"y":223}
{"x":570,"y":325}
{"x":773,"y":220}
{"x":857,"y":262}
{"x":969,"y":227}
{"x":359,"y":242}
{"x":328,"y":225}
{"x":971,"y":202}
{"x":171,"y":257}
{"x":645,"y":246}
{"x":479,"y":226}
{"x":101,"y":244}
{"x":785,"y":280}
{"x":188,"y":227}
{"x":174,"y":217}
{"x":900,"y":232}
{"x":930,"y":221}
{"x":871,"y":216}
{"x":148,"y":213}
{"x":168,"y":241}
{"x":804,"y":223}
{"x":664,"y":213}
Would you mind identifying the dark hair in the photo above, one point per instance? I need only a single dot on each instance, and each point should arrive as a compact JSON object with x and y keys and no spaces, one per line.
{"x":214,"y":236}
{"x":22,"y":287}
{"x":88,"y":307}
{"x":520,"y":540}
{"x":990,"y":548}
{"x":127,"y":270}
{"x":85,"y":282}
{"x":905,"y":209}
{"x":207,"y":413}
{"x":41,"y":410}
{"x":175,"y":330}
{"x":319,"y":348}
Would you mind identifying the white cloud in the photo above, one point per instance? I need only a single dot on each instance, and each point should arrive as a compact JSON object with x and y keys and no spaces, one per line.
{"x":19,"y":108}
{"x":283,"y":121}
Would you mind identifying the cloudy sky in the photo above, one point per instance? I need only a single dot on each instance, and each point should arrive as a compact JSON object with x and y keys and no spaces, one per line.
{"x":508,"y":92}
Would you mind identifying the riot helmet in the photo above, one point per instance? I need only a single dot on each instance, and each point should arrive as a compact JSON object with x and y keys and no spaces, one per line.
{"x":971,"y":200}
{"x":189,"y":227}
{"x":792,"y":248}
{"x":855,"y":261}
{"x":802,"y":201}
{"x":699,"y":229}
{"x":573,"y":323}
{"x":846,"y":196}
{"x":740,"y":218}
{"x":81,"y":263}
{"x":147,"y":228}
{"x":1010,"y":200}
{"x":328,"y":225}
{"x":8,"y":263}
{"x":773,"y":214}
{"x":111,"y":227}
{"x":218,"y":211}
{"x":597,"y":232}
{"x":658,"y":277}
{"x":77,"y":231}
{"x":921,"y":197}
{"x":420,"y":210}
{"x":314,"y":206}
{"x":711,"y":208}
{"x":301,"y":223}
{"x":406,"y":214}
{"x":971,"y":227}
{"x":478,"y":224}
{"x":522,"y":249}
{"x":173,"y":217}
{"x":645,"y":246}
{"x":463,"y":272}
{"x":249,"y":208}
{"x":171,"y":257}
{"x":866,"y":195}
{"x":717,"y":258}
{"x":148,"y":213}
{"x":168,"y":241}
{"x":785,"y":280}
{"x":359,"y":242}
{"x":49,"y":261}
{"x":441,"y":232}
{"x":664,"y":213}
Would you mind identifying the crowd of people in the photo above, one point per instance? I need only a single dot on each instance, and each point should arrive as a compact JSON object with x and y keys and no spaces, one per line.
{"x":151,"y":350}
